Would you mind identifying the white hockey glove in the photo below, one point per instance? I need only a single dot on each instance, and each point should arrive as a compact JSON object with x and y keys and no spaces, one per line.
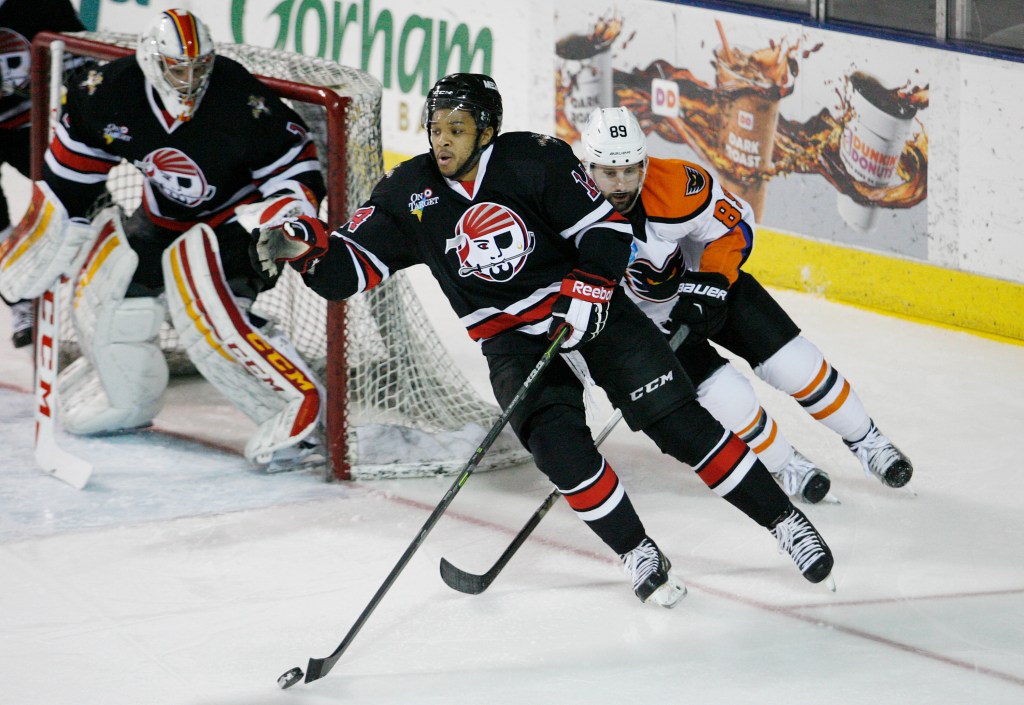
{"x":583,"y":306}
{"x":272,"y":212}
{"x":302,"y":242}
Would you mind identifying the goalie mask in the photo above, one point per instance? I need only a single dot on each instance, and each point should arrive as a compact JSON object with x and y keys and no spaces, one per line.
{"x":615,"y":152}
{"x":176,"y":55}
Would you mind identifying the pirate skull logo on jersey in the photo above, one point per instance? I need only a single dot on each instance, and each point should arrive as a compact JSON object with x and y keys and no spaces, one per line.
{"x":15,"y":58}
{"x":492,"y":242}
{"x":653,"y":283}
{"x":178,"y":177}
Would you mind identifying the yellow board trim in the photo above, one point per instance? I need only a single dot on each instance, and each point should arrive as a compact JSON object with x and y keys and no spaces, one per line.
{"x":993,"y":308}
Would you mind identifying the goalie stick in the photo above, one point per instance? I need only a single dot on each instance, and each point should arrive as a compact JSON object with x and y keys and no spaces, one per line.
{"x":50,"y":457}
{"x":319,"y":667}
{"x":473,"y":584}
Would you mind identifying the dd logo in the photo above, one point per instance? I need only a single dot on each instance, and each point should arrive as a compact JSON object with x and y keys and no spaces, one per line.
{"x":664,"y":97}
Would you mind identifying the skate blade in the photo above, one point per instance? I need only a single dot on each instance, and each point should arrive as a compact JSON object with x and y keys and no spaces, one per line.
{"x":829,"y":582}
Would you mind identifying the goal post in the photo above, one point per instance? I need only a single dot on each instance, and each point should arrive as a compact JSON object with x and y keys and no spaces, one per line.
{"x":396,"y":404}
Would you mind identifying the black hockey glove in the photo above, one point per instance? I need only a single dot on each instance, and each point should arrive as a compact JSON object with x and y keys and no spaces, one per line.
{"x":302,"y":242}
{"x":701,"y":305}
{"x":583,"y":306}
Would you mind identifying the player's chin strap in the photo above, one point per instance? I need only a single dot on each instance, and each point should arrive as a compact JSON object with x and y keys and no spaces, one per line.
{"x":259,"y":373}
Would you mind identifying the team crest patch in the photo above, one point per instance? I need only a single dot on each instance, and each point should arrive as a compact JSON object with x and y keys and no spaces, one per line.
{"x":258,"y":105}
{"x":491,"y":242}
{"x":695,"y":181}
{"x":92,"y":81}
{"x":419,"y":201}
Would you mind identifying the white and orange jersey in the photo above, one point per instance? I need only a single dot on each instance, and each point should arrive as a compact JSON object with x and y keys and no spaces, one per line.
{"x":684,"y":221}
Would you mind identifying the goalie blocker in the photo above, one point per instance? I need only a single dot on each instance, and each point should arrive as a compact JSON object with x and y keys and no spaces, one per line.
{"x":258,"y":371}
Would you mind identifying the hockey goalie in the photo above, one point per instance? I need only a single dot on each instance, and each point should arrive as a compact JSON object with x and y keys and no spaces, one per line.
{"x":221,"y":155}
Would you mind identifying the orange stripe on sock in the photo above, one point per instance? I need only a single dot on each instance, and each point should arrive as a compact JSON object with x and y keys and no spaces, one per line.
{"x":770,"y":440}
{"x":723,"y":461}
{"x":597,"y":493}
{"x":814,"y":383}
{"x":834,"y":406}
{"x":750,"y":427}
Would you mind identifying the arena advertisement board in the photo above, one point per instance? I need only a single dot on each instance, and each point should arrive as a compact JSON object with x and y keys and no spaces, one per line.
{"x":824,"y":134}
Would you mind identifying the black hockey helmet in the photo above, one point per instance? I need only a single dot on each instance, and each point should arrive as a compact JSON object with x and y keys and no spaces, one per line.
{"x":475,"y":93}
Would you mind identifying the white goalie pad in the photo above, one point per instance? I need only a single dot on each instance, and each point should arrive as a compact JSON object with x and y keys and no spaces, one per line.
{"x":259,"y":373}
{"x":43,"y":246}
{"x":120,"y":380}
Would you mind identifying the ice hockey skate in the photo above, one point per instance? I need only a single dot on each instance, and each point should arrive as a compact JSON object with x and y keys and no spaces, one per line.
{"x":649,"y":570}
{"x":23,"y":323}
{"x":882,"y":459}
{"x":802,"y":479}
{"x":798,"y":537}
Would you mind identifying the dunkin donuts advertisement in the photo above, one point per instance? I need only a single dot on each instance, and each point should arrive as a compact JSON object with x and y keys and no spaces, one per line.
{"x":822,"y":137}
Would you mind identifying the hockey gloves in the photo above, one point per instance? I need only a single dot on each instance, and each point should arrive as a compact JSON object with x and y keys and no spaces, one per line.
{"x":583,"y":306}
{"x":701,"y":305}
{"x":302,"y":242}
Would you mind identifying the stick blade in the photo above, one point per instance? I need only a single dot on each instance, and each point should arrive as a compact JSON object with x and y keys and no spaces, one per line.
{"x":66,"y":467}
{"x":458,"y":579}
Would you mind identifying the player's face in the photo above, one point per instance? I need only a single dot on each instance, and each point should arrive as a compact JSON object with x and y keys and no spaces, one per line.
{"x":619,"y":184}
{"x":453,"y":138}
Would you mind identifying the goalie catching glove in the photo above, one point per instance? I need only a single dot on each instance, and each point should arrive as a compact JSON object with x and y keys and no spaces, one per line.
{"x":583,"y":306}
{"x":302,"y":242}
{"x":701,"y":305}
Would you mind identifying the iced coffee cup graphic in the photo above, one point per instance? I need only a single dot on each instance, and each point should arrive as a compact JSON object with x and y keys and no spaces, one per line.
{"x":748,"y":109}
{"x":584,"y":76}
{"x":871,"y":144}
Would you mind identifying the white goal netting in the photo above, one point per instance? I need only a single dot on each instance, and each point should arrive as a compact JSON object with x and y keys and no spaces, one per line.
{"x":396,"y":401}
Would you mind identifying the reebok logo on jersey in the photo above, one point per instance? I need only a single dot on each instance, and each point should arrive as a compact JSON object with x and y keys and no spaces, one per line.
{"x":651,"y":386}
{"x":588,"y":292}
{"x":712,"y":292}
{"x":695,"y":181}
{"x":587,"y":182}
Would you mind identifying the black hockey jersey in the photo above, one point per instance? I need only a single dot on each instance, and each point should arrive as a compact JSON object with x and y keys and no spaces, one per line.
{"x":20,"y":22}
{"x":498,"y":253}
{"x":242,"y":145}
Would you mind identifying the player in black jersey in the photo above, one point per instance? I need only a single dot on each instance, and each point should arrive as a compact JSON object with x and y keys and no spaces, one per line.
{"x":20,"y":22}
{"x":215,"y":147}
{"x":522,"y":243}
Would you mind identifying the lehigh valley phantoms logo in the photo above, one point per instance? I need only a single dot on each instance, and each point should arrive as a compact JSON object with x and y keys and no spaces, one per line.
{"x":492,"y":242}
{"x":652,"y":283}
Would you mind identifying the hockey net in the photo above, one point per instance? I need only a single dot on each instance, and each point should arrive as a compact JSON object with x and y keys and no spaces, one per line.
{"x":397,"y":405}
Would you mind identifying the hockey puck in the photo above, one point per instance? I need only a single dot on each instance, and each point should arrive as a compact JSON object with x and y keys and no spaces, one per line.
{"x":290,"y":678}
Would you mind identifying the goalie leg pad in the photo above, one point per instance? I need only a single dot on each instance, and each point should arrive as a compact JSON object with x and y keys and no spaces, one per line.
{"x":42,"y":247}
{"x":260,"y":374}
{"x":120,"y":380}
{"x":121,"y":383}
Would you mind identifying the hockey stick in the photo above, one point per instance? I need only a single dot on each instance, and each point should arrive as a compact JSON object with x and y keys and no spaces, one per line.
{"x":473,"y":584}
{"x":320,"y":667}
{"x":50,"y":457}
